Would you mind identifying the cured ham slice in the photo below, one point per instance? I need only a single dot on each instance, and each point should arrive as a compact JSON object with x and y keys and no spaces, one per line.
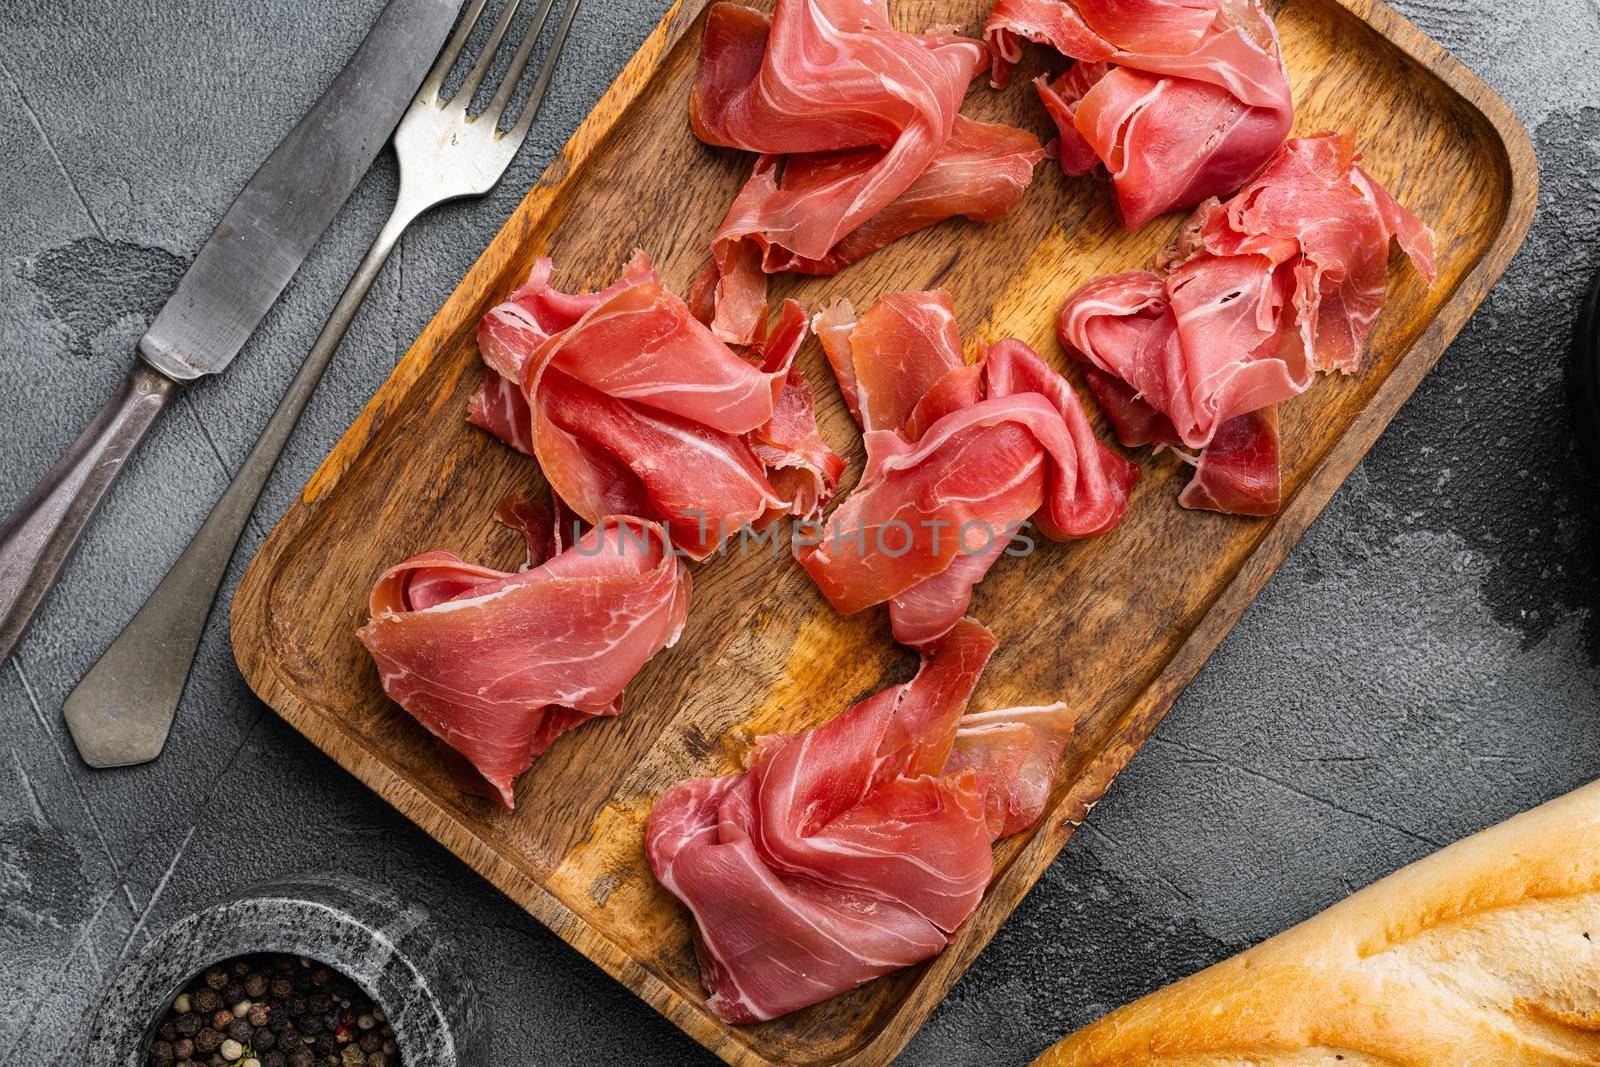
{"x":1178,"y":100}
{"x":633,"y":407}
{"x":859,"y":847}
{"x":1256,"y":295}
{"x":498,"y":665}
{"x":859,"y":136}
{"x":1238,"y":473}
{"x":801,"y":467}
{"x":958,"y":459}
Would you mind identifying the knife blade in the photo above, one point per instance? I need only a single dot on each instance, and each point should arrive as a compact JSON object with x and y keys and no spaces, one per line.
{"x":289,"y":202}
{"x":238,"y":274}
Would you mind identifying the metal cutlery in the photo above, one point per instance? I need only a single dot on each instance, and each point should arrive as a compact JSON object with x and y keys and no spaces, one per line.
{"x":238,"y":274}
{"x":122,"y":709}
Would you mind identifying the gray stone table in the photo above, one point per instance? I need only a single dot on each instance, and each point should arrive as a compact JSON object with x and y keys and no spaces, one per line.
{"x":1426,"y":663}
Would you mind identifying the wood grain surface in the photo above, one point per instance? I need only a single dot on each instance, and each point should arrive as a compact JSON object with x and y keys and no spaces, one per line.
{"x":1116,"y":625}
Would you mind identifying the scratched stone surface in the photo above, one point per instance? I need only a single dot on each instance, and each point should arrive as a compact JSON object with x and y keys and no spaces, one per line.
{"x":1425,"y":664}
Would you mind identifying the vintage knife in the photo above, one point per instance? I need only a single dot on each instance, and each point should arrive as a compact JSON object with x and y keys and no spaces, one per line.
{"x":239,"y":273}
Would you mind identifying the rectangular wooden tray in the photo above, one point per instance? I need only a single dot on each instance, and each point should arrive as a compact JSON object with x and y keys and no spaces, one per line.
{"x":1116,"y":625}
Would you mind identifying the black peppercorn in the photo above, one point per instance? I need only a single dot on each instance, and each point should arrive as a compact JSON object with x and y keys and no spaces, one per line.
{"x":205,"y":1000}
{"x":169,"y":1030}
{"x":320,"y":976}
{"x":281,"y":987}
{"x":302,"y":1057}
{"x":216,"y":977}
{"x":326,"y":1045}
{"x":160,"y":1054}
{"x":371,"y":1042}
{"x":277,"y":1017}
{"x":320,"y":1002}
{"x":274,"y":1059}
{"x":259,"y":1014}
{"x":311,"y":1025}
{"x":221,"y":1018}
{"x":296,"y":1005}
{"x":207,"y":1040}
{"x":255,"y":986}
{"x":241,"y":968}
{"x":189,"y":1024}
{"x":241,"y":1031}
{"x":233,"y":992}
{"x":264,"y":1040}
{"x":182,"y":1048}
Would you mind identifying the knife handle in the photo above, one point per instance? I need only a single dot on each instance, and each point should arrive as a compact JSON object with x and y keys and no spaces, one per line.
{"x":38,"y":538}
{"x":122,"y":709}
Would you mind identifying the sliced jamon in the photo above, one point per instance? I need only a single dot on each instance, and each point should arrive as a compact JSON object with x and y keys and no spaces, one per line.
{"x":800,"y":465}
{"x":1255,"y":296}
{"x":1238,"y":473}
{"x":856,"y":848}
{"x":958,"y":458}
{"x":1178,"y":100}
{"x":497,"y":665}
{"x":633,"y":407}
{"x":886,"y":359}
{"x":859,"y":139}
{"x":1014,"y":753}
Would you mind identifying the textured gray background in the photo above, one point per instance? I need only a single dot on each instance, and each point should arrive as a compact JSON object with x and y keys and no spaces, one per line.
{"x":1425,"y":664}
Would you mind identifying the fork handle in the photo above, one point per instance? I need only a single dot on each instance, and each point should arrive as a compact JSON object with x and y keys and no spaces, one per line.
{"x":38,"y":538}
{"x":121,"y":711}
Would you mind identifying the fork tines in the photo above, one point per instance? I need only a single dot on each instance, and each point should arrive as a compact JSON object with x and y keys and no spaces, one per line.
{"x":433,"y":85}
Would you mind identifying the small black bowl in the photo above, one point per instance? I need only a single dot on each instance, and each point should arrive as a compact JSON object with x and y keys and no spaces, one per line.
{"x":383,"y":944}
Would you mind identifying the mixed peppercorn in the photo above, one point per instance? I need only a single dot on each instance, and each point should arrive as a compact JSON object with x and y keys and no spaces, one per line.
{"x":273,"y":1011}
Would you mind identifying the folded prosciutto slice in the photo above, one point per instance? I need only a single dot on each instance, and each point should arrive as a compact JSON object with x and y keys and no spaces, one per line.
{"x":633,"y":407}
{"x":856,"y":848}
{"x":498,"y":665}
{"x":1178,"y":100}
{"x":959,"y":457}
{"x":859,"y":139}
{"x":1255,"y":296}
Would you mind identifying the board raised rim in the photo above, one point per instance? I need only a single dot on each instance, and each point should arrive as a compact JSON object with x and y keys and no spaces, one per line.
{"x":249,"y":623}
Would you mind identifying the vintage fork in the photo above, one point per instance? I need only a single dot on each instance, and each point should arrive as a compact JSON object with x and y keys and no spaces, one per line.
{"x":122,"y":710}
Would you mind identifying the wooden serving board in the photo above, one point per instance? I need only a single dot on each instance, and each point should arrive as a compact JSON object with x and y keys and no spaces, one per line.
{"x":1116,"y":625}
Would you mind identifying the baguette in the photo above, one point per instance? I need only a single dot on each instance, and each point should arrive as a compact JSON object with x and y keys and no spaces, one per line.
{"x":1484,"y":953}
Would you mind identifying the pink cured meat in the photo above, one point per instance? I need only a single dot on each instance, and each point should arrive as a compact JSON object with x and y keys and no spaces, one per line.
{"x":1256,"y":295}
{"x":886,"y":359}
{"x":858,"y":847}
{"x":497,"y":665}
{"x":1239,"y":473}
{"x":633,"y":407}
{"x":958,"y":458}
{"x":1187,"y":109}
{"x":859,"y":136}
